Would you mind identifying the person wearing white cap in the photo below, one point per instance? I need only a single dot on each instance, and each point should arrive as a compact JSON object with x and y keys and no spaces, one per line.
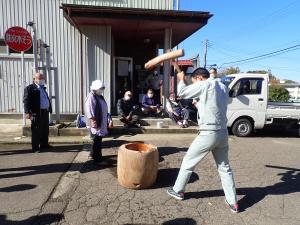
{"x":96,"y":112}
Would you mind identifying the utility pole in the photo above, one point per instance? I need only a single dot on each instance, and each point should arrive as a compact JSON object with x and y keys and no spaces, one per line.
{"x":32,"y":25}
{"x":177,"y":5}
{"x":205,"y":52}
{"x":175,"y":75}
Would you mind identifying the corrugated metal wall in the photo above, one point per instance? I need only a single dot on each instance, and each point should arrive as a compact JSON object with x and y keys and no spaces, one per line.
{"x":97,"y":49}
{"x":53,"y":29}
{"x":146,"y":4}
{"x":10,"y":83}
{"x":64,"y":41}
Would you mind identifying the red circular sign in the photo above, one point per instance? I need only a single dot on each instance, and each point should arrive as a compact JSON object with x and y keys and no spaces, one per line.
{"x":18,"y":39}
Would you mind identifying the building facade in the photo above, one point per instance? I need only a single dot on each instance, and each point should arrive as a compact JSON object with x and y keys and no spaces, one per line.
{"x":294,"y":91}
{"x":88,"y":40}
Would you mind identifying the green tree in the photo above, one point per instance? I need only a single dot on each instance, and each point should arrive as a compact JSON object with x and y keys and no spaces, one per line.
{"x":290,"y":82}
{"x":278,"y":93}
{"x":229,"y":70}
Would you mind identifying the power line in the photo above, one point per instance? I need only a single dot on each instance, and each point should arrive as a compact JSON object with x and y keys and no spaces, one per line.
{"x":233,"y":49}
{"x":269,"y":56}
{"x":225,"y":51}
{"x":281,"y":51}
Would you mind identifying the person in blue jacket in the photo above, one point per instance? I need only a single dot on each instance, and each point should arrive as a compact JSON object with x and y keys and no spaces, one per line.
{"x":150,"y":106}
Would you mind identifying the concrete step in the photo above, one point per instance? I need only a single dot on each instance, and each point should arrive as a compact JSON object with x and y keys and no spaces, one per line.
{"x":18,"y":117}
{"x":73,"y":131}
{"x":11,"y":129}
{"x":146,"y":121}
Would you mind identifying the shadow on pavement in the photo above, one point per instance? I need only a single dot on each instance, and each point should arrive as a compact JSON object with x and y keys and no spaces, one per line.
{"x":34,"y":170}
{"x":178,"y":221}
{"x":19,"y":187}
{"x":290,"y":183}
{"x":181,"y":221}
{"x":56,"y":149}
{"x":34,"y":220}
{"x":167,"y":177}
{"x":113,"y":143}
{"x":163,"y":151}
{"x":276,"y":131}
{"x":109,"y":161}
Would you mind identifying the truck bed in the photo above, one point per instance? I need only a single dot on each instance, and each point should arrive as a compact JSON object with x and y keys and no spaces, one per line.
{"x":283,"y":110}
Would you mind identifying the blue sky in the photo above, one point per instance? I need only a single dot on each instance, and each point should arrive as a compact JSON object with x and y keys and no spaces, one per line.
{"x":244,"y":29}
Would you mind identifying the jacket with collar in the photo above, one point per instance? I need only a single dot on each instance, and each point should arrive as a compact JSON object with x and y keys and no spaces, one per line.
{"x":31,"y":100}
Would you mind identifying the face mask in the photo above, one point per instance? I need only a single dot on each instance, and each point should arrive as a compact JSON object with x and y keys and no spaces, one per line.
{"x":40,"y":82}
{"x":150,"y":95}
{"x":127,"y":98}
{"x":99,"y":92}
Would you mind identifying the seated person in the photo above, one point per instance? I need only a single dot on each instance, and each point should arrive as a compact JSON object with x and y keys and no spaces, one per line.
{"x":176,"y":112}
{"x":149,"y":104}
{"x":155,"y":80}
{"x":127,"y":110}
{"x":245,"y":89}
{"x":190,"y":105}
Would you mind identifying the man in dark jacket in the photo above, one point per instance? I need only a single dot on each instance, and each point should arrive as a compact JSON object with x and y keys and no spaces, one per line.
{"x":37,"y":107}
{"x":127,"y":110}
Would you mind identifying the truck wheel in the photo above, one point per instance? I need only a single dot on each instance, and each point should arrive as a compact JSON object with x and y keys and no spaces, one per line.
{"x":242,"y":128}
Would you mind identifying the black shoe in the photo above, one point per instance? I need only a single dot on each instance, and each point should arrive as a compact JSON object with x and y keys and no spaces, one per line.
{"x":97,"y":161}
{"x":133,"y":125}
{"x":46,"y":146}
{"x":36,"y":149}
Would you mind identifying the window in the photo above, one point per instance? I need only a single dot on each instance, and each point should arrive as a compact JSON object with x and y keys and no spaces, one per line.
{"x":227,"y":80}
{"x":5,"y":50}
{"x":247,"y":86}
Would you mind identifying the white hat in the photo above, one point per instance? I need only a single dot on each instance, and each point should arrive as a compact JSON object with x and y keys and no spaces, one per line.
{"x":96,"y":85}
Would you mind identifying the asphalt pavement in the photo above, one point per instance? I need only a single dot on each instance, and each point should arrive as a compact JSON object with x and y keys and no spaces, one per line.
{"x":27,"y":179}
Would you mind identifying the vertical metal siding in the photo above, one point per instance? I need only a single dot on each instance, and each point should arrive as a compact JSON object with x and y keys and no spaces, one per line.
{"x":64,"y":41}
{"x":97,"y":57}
{"x":54,"y":30}
{"x":145,"y":4}
{"x":10,"y":84}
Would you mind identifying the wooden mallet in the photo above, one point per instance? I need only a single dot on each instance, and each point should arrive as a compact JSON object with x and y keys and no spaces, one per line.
{"x":175,"y":64}
{"x":161,"y":58}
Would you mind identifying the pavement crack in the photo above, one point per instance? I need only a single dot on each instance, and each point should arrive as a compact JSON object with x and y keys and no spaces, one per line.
{"x":22,"y":211}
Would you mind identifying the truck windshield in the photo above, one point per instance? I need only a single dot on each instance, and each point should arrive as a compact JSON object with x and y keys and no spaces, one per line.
{"x":227,"y":80}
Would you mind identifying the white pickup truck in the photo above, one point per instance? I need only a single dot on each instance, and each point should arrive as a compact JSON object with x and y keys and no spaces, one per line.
{"x":248,"y":107}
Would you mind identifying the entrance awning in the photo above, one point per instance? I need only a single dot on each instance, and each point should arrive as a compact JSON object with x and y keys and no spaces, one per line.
{"x":138,"y":25}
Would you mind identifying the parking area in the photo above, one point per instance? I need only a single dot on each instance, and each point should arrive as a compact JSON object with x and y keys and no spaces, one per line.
{"x":266,"y":170}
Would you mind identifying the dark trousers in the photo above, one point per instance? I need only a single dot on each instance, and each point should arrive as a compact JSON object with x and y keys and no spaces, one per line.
{"x":40,"y":130}
{"x":157,"y":95}
{"x":96,"y":152}
{"x":134,"y":119}
{"x":183,"y":114}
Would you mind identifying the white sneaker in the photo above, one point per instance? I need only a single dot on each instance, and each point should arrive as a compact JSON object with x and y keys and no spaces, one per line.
{"x":179,"y":123}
